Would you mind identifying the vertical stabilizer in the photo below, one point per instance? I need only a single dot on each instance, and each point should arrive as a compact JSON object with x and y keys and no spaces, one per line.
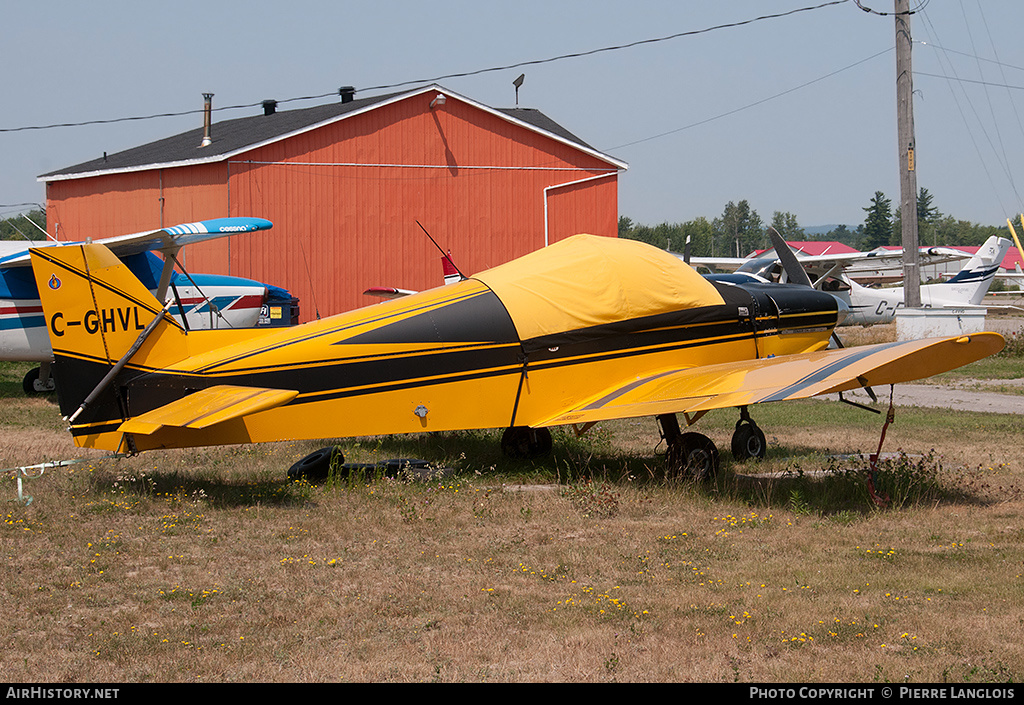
{"x":973,"y":281}
{"x":96,"y":313}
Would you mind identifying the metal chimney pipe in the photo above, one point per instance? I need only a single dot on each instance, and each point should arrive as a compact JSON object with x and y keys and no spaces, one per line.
{"x":207,"y":119}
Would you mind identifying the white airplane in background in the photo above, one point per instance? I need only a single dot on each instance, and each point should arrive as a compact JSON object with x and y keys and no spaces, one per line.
{"x":200,"y":301}
{"x":767,"y":264}
{"x":870,"y":306}
{"x":966,"y":289}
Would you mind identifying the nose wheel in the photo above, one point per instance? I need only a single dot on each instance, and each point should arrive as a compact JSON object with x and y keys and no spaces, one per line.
{"x":748,"y":440}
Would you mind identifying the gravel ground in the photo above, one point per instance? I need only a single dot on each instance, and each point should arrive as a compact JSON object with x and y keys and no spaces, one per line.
{"x":965,"y":395}
{"x":960,"y":398}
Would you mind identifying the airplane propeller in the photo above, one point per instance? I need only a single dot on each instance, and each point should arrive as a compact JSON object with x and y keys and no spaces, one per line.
{"x":796,"y":274}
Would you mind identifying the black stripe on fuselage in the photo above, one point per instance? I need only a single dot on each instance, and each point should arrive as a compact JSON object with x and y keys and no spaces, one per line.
{"x":479,"y":308}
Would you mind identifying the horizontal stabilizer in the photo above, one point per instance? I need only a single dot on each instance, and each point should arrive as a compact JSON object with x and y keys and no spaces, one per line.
{"x":388,"y":292}
{"x":208,"y":407}
{"x":788,"y":377}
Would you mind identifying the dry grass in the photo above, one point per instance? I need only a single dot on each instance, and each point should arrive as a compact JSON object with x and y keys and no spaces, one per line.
{"x":208,"y":566}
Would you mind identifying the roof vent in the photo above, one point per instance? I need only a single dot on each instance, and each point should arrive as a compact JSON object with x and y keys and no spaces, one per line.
{"x":347,"y":93}
{"x":269,"y":107}
{"x":207,"y":120}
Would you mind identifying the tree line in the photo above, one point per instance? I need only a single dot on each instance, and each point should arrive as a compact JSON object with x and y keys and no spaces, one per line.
{"x":27,"y":226}
{"x":739,"y":230}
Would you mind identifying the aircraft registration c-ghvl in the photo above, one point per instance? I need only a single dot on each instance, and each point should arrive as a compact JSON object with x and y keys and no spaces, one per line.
{"x":585,"y":330}
{"x":200,"y":300}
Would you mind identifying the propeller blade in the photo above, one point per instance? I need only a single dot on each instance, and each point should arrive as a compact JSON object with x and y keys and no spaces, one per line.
{"x":686,"y":250}
{"x":790,"y":265}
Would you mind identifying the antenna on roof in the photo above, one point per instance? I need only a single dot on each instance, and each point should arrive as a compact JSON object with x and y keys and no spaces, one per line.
{"x":446,"y":257}
{"x":518,"y":82}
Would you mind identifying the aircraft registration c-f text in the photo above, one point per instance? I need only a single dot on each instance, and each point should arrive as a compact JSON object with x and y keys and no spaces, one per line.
{"x":107,"y":320}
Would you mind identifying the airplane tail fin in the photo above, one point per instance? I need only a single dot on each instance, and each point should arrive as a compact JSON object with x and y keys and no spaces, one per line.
{"x":104,"y":325}
{"x":977,"y":275}
{"x":451,"y":272}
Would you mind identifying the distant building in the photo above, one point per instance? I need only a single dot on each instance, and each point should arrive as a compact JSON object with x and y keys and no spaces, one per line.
{"x":345,"y":185}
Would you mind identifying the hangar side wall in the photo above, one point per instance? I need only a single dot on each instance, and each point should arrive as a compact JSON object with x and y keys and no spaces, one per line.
{"x":345,"y":199}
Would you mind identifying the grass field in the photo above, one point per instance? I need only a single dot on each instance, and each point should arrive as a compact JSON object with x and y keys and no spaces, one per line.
{"x":210,"y":566}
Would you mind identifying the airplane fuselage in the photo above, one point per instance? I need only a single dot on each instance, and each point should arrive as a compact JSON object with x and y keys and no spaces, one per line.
{"x":446,"y":359}
{"x":870,"y":306}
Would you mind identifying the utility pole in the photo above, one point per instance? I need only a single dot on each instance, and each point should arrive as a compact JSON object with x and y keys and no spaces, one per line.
{"x":908,"y":176}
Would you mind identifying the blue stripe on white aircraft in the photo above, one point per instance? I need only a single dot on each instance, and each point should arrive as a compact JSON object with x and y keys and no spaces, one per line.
{"x":201,"y":301}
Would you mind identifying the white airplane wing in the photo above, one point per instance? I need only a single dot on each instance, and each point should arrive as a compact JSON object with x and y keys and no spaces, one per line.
{"x":166,"y":239}
{"x":839,"y":261}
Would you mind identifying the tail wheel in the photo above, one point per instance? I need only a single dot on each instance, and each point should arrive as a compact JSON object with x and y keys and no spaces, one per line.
{"x":748,"y":441}
{"x":523,"y":443}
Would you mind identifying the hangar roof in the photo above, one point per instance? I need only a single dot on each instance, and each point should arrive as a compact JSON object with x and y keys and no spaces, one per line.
{"x":230,"y":137}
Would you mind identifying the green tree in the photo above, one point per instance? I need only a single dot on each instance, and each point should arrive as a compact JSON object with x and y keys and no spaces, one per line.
{"x":878,"y":224}
{"x":29,"y":226}
{"x":950,"y":231}
{"x":927,"y":216}
{"x":842,"y":234}
{"x":625,"y":226}
{"x":738,"y":231}
{"x":786,"y":225}
{"x":671,"y":236}
{"x":701,"y":234}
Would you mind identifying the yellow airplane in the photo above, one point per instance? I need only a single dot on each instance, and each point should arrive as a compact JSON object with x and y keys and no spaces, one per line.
{"x":585,"y":330}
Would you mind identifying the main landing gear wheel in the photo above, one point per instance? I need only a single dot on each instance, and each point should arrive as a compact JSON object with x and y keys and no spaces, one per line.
{"x":748,"y":440}
{"x":694,"y":455}
{"x":524,"y":443}
{"x":690,"y":454}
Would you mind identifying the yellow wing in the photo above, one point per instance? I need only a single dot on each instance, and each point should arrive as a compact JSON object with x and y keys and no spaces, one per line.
{"x":208,"y":407}
{"x":735,"y":384}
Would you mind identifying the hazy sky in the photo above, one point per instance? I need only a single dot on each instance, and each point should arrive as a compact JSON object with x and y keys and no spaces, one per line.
{"x":795,"y":113}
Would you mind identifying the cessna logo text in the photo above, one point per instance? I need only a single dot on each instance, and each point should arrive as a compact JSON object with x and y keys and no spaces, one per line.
{"x":107,"y":320}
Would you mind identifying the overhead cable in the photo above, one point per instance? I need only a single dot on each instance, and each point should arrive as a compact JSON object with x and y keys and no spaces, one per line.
{"x":435,"y":79}
{"x":754,"y":104}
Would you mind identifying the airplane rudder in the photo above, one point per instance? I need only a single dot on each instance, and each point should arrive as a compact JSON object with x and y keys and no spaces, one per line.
{"x":94,"y":306}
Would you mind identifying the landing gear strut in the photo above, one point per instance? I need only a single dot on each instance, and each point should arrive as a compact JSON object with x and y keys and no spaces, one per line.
{"x":689,"y":454}
{"x":523,"y":442}
{"x":748,"y":440}
{"x":38,"y":380}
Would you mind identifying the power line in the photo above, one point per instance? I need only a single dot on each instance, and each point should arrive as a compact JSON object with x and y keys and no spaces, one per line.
{"x":506,"y":67}
{"x":933,"y":45}
{"x":914,"y":11}
{"x":969,"y":80}
{"x":617,"y":47}
{"x":751,"y":105}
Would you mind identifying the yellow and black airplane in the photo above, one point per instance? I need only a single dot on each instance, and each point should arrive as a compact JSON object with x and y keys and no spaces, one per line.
{"x":585,"y":330}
